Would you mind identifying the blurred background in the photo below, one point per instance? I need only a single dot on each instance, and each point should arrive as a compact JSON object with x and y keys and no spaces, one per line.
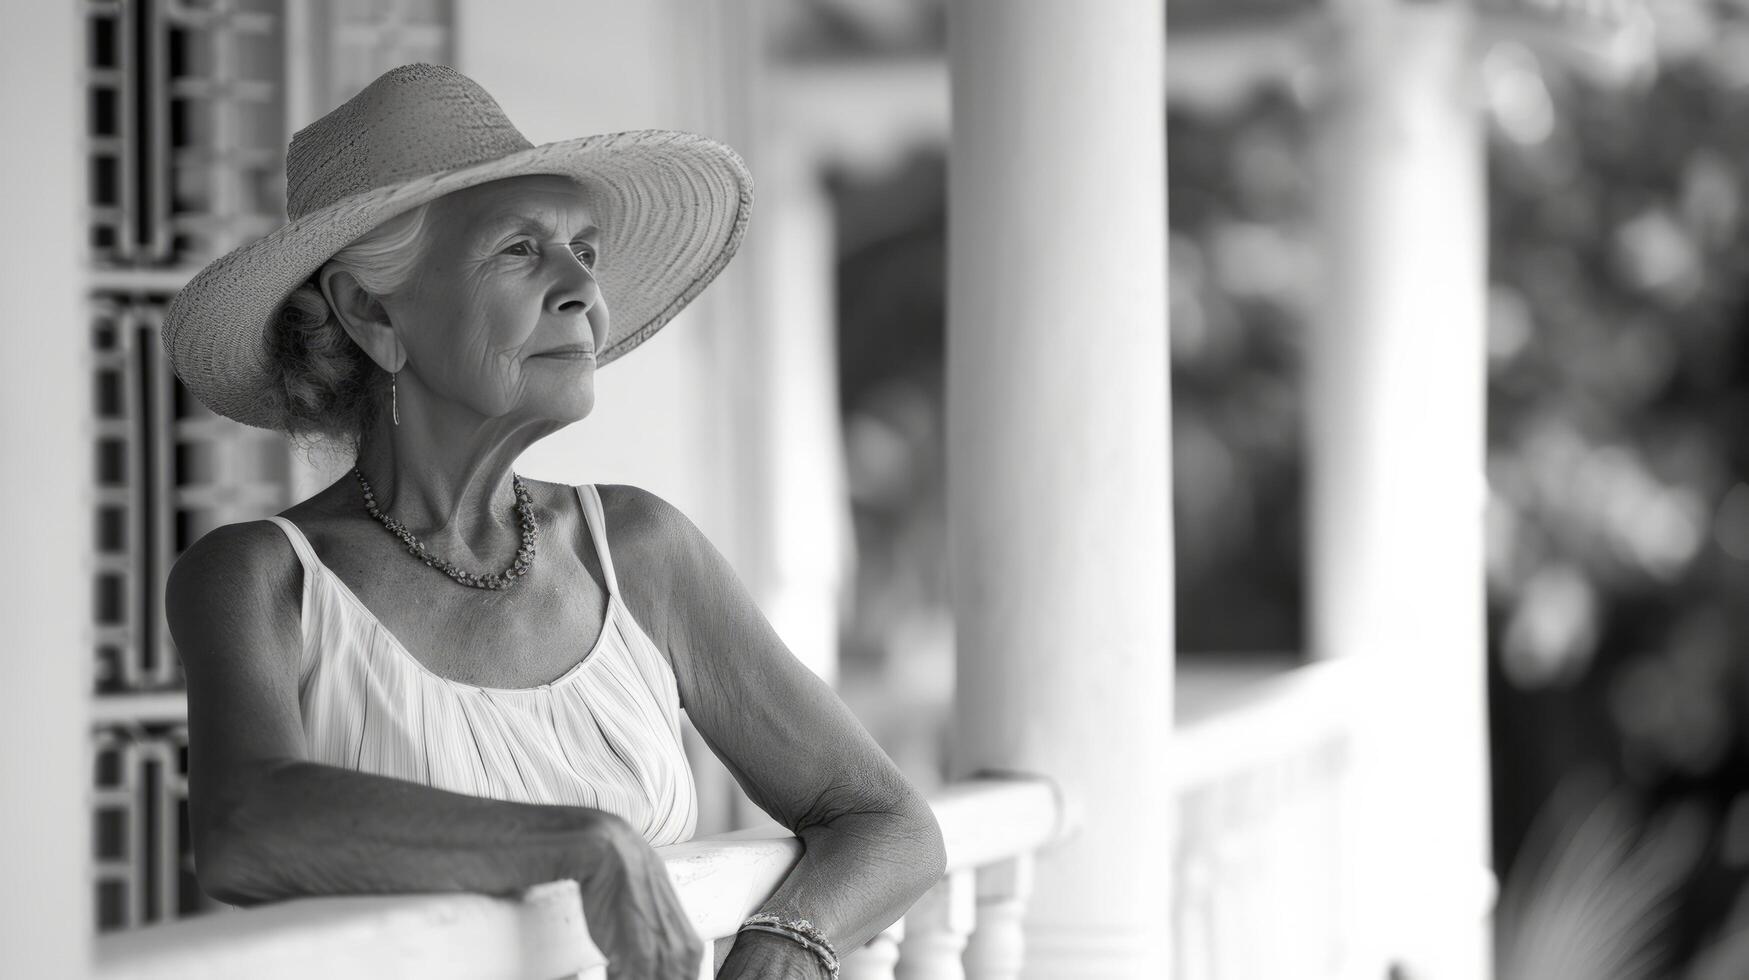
{"x":1543,"y":200}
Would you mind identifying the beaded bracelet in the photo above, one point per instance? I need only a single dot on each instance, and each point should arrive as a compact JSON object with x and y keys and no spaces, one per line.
{"x":801,"y":931}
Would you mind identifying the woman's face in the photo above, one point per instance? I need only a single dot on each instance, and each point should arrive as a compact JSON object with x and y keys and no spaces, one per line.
{"x":503,"y":314}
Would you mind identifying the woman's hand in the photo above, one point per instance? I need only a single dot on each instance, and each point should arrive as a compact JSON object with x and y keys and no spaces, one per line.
{"x":631,"y":909}
{"x":764,"y":956}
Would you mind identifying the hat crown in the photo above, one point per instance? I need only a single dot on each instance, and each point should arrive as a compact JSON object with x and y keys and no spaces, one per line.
{"x":412,"y":121}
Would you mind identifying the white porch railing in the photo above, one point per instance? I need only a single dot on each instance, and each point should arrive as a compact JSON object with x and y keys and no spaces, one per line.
{"x":1269,"y":769}
{"x":1263,"y":779}
{"x":992,"y":827}
{"x":1280,"y":787}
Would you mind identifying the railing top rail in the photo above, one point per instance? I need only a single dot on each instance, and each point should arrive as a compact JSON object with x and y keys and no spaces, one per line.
{"x":720,"y":880}
{"x":988,"y":818}
{"x":1283,"y":714}
{"x":444,"y":935}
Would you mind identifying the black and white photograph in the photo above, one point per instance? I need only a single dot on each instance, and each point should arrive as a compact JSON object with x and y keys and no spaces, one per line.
{"x":874,"y":489}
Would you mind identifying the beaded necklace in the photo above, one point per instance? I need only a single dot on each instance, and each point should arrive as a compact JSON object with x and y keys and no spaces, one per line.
{"x":493,"y":581}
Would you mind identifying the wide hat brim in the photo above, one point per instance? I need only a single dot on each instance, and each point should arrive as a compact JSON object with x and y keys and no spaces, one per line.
{"x":672,"y":207}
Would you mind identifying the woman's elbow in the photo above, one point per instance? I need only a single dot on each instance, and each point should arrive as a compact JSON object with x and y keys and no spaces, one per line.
{"x":918,"y":857}
{"x":224,"y":867}
{"x":231,"y":850}
{"x":931,"y":849}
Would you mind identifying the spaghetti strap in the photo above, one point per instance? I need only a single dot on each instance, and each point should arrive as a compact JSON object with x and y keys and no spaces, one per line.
{"x":300,"y":544}
{"x":596,"y":518}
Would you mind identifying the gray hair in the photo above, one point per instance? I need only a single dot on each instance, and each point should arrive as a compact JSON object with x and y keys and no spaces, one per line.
{"x":328,"y":387}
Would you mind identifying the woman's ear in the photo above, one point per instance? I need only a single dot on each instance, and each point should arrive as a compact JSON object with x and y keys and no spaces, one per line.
{"x":363,"y":317}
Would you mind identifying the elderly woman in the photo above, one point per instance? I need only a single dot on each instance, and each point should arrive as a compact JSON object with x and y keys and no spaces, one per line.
{"x":434,"y":674}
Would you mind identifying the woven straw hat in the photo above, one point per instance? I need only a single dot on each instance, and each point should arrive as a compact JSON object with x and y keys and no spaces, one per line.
{"x":672,"y":209}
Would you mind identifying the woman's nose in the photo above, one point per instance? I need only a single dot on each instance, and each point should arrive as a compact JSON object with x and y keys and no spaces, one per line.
{"x":575,"y":289}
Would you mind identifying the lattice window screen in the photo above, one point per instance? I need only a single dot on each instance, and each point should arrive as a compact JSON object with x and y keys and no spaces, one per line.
{"x":133,"y":448}
{"x":142,"y":866}
{"x":191,"y":103}
{"x":367,"y":39}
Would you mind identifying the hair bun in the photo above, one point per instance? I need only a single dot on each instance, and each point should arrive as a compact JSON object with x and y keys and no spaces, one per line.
{"x":325,"y":380}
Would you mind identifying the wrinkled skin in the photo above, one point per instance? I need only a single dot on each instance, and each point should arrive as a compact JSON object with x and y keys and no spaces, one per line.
{"x":633,"y":914}
{"x":763,"y":956}
{"x":505,"y":276}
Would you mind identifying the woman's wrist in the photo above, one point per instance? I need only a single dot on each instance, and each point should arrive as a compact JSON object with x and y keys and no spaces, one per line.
{"x":766,"y":947}
{"x":799,"y":931}
{"x":598,"y":837}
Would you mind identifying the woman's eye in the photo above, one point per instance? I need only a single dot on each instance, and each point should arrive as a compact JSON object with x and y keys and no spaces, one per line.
{"x":585,"y":254}
{"x":520,"y":248}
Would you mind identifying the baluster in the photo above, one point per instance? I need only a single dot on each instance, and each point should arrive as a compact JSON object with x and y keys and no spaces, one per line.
{"x":1193,"y":935}
{"x":936,"y":929}
{"x":875,"y":960}
{"x":707,"y":964}
{"x":997,"y":946}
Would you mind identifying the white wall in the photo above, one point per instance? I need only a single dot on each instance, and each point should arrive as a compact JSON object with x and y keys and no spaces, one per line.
{"x":45,"y":513}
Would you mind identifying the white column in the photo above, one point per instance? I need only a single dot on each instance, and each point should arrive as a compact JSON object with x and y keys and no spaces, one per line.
{"x":1396,"y":379}
{"x":45,"y":501}
{"x":798,"y":477}
{"x":1058,"y":452}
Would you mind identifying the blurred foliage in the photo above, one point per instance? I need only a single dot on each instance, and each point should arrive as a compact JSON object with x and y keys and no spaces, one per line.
{"x":1618,"y":443}
{"x":1241,"y":264}
{"x":1596,"y":890}
{"x":896,"y":647}
{"x":839,"y":29}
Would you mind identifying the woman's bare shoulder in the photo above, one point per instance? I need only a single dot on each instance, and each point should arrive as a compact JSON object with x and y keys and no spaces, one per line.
{"x":652,"y":530}
{"x":658,"y":551}
{"x":637,"y":514}
{"x":250,"y":562}
{"x":233,"y":606}
{"x":243,"y":547}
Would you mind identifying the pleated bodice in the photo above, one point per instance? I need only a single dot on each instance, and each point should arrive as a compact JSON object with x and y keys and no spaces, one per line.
{"x":605,"y":735}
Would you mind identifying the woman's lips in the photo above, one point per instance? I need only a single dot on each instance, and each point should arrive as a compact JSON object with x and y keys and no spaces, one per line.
{"x":569,"y":353}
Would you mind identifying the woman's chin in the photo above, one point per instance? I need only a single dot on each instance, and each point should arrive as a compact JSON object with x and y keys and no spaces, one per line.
{"x":574,"y":407}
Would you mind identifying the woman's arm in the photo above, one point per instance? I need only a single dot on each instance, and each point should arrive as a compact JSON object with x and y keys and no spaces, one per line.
{"x":268,"y":823}
{"x":871,"y":843}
